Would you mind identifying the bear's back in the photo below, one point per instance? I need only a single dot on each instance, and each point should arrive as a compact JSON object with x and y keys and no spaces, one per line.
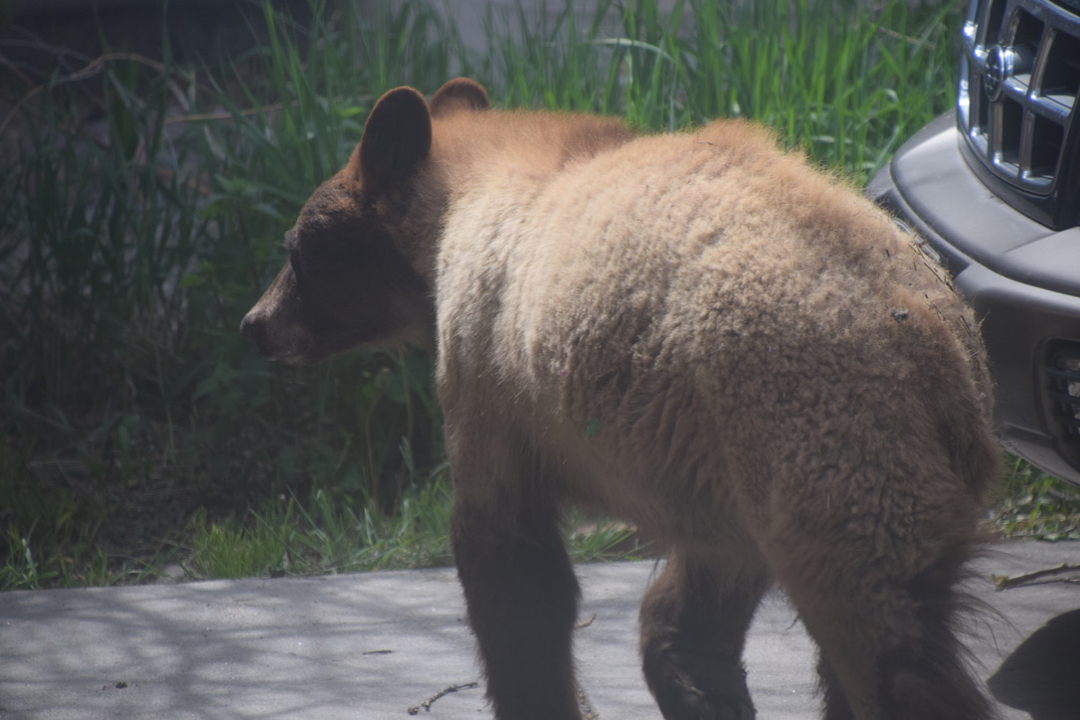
{"x":716,"y":233}
{"x":698,"y":289}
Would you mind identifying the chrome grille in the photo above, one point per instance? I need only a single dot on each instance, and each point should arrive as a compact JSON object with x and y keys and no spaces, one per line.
{"x":1017,"y":103}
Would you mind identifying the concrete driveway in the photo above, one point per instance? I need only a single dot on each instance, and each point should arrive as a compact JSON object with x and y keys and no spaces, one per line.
{"x":379,"y":645}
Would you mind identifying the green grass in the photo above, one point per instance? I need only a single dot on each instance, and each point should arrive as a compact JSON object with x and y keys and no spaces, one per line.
{"x":1032,"y":505}
{"x":145,"y":202}
{"x":848,"y":92}
{"x":286,"y":536}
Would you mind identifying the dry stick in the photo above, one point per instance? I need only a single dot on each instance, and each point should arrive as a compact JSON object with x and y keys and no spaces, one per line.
{"x":89,"y":70}
{"x":426,"y":705}
{"x":95,"y":67}
{"x":586,"y":709}
{"x":223,"y":115}
{"x":1003,"y":582}
{"x":583,"y":703}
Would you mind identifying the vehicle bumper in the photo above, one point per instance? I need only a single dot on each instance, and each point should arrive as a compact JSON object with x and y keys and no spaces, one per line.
{"x":1022,"y":278}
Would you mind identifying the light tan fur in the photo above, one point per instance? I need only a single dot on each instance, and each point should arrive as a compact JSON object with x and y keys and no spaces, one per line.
{"x":702,"y":335}
{"x":695,"y":297}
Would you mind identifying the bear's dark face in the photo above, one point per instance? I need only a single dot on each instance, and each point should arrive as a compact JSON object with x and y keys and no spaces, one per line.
{"x":345,"y":285}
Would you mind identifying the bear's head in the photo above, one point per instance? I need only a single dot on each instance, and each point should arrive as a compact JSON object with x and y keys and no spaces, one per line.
{"x":348,"y":282}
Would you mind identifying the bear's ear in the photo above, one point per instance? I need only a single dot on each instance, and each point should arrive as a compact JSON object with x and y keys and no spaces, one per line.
{"x":459,"y":94}
{"x":397,"y":138}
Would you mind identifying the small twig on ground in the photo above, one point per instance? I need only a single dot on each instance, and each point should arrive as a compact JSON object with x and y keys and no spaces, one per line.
{"x":587,"y":712}
{"x":1004,"y":582}
{"x":426,"y":705}
{"x":586,"y":622}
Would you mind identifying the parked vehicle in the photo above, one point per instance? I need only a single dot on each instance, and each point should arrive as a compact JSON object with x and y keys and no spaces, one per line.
{"x":994,"y":188}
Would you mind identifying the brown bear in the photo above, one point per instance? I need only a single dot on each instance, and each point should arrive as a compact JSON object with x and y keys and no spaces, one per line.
{"x":695,"y":332}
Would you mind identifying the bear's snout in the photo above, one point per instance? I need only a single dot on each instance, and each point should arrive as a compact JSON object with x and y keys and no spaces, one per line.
{"x":254,"y":331}
{"x":255,"y":328}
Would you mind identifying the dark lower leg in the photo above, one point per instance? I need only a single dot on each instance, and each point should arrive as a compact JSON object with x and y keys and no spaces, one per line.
{"x":522,"y":597}
{"x":692,"y":635}
{"x":926,"y":677}
{"x":891,"y":652}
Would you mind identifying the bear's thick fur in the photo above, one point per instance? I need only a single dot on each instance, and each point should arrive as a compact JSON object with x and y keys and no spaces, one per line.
{"x":695,"y":332}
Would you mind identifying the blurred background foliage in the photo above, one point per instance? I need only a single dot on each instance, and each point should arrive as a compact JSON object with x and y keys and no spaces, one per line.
{"x":149,"y":169}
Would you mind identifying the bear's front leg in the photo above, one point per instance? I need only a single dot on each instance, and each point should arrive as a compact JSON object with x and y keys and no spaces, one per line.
{"x":522,"y":597}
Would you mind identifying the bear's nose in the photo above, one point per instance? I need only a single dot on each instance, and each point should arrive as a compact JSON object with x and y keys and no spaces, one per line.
{"x":253,"y":329}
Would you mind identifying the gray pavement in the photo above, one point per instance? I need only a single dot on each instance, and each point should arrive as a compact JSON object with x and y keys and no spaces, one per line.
{"x":375,"y":645}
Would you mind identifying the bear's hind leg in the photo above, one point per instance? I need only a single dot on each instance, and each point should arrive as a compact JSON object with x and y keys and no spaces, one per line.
{"x":921,"y":675}
{"x":889,"y":649}
{"x":522,"y":596}
{"x":693,"y":627}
